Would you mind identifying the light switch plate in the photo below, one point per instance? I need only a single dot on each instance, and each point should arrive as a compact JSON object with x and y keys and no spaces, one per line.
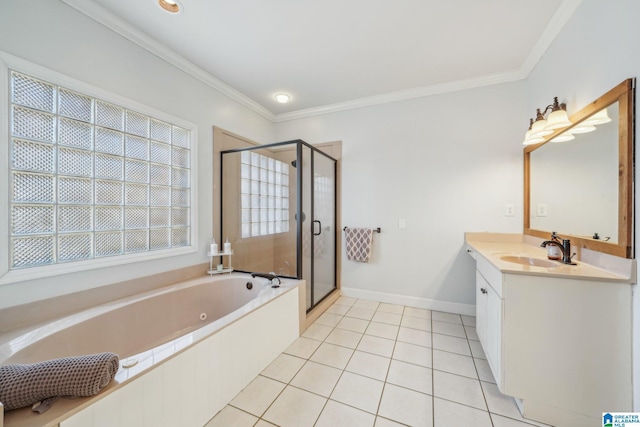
{"x":402,"y":224}
{"x":541,"y":209}
{"x":509,"y":210}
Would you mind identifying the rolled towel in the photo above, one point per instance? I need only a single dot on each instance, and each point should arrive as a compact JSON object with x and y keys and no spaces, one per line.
{"x":24,"y":385}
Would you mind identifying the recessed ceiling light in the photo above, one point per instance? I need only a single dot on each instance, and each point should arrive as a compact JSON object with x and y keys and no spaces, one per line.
{"x":171,"y":6}
{"x":282,"y":98}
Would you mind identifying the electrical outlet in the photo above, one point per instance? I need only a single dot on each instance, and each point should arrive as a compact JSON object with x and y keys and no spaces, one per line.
{"x":509,"y":210}
{"x":541,"y":209}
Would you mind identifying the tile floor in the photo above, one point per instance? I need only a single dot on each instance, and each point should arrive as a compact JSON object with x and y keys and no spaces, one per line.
{"x":364,"y":363}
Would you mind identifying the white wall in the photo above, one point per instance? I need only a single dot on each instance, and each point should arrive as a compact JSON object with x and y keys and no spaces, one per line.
{"x":446,"y":164}
{"x":53,"y":35}
{"x":597,"y":49}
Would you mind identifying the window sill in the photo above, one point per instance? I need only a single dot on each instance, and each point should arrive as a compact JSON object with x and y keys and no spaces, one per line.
{"x":25,"y":274}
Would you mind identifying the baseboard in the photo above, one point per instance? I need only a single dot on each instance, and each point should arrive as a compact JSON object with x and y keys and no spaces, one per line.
{"x":430,"y":304}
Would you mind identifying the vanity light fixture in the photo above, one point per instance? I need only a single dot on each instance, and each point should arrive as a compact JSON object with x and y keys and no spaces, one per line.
{"x":170,"y":6}
{"x":542,"y":127}
{"x":282,"y":98}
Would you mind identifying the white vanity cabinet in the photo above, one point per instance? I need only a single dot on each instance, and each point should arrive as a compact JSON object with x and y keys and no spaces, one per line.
{"x":558,"y":339}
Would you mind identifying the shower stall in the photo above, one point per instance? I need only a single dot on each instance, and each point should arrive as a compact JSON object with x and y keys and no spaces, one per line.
{"x":278,"y":204}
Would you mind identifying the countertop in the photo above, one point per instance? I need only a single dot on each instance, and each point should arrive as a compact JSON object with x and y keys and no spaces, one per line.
{"x":492,"y":246}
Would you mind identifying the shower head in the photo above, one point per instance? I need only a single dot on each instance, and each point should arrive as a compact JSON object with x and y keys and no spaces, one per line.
{"x":294,"y":164}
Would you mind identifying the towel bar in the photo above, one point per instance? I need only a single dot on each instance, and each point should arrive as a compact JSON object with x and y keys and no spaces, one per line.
{"x":375,"y":230}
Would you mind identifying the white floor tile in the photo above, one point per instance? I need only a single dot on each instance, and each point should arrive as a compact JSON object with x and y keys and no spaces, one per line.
{"x":382,"y":330}
{"x":469,"y":321}
{"x":471,"y":333}
{"x":406,"y":406}
{"x":458,"y":389}
{"x":295,"y":408}
{"x":328,"y":319}
{"x":376,"y":345}
{"x":303,"y":347}
{"x":416,"y":323}
{"x":390,"y":318}
{"x":283,"y":368}
{"x":451,"y":344}
{"x":353,"y":324}
{"x":417,"y":312}
{"x":369,"y":365}
{"x":317,"y":332}
{"x":412,"y":353}
{"x":337,"y":414}
{"x":391,"y":308}
{"x":368,"y":304}
{"x":345,"y":301}
{"x":448,"y":413}
{"x":232,"y":417}
{"x":332,"y":355}
{"x":358,"y":391}
{"x":446,"y":317}
{"x":344,"y":338}
{"x":484,"y":371}
{"x":449,"y":329}
{"x":476,"y":350}
{"x":258,"y":395}
{"x":338,"y":309}
{"x":411,"y":376}
{"x":383,"y":422}
{"x":317,"y":378}
{"x":263,"y":423}
{"x":414,"y":336}
{"x":360,"y":313}
{"x":454,"y":363}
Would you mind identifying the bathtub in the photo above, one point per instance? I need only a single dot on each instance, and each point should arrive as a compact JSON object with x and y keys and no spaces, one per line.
{"x":185,"y":351}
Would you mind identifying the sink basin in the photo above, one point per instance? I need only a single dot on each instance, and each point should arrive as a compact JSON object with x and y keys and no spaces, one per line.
{"x":526,"y":260}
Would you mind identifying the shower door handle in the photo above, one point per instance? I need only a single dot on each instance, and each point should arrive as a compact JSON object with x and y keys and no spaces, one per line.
{"x":320,"y":227}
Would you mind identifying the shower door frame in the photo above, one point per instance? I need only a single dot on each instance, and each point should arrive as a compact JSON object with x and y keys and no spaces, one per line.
{"x":299,"y":209}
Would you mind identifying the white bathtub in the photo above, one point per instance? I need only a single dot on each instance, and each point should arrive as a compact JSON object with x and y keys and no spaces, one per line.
{"x":196,"y":343}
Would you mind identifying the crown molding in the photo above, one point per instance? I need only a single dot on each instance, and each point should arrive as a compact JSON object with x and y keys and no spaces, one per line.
{"x":128,"y":31}
{"x":402,"y":95}
{"x":118,"y":25}
{"x":556,"y":23}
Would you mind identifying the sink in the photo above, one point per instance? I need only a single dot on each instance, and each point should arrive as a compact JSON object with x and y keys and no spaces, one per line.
{"x":527,"y":260}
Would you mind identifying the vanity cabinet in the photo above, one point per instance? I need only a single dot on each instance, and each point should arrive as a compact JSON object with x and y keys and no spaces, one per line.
{"x":558,"y":341}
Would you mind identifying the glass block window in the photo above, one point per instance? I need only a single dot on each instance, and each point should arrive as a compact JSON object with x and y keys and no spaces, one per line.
{"x":92,"y":179}
{"x":265,"y":195}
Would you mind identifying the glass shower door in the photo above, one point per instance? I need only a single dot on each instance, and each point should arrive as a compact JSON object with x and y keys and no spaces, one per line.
{"x":324,"y":226}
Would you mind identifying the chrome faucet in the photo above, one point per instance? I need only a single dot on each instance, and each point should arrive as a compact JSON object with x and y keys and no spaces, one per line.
{"x":272,"y":277}
{"x":565,"y":247}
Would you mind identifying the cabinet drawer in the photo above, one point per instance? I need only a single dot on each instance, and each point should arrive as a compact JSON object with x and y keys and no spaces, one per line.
{"x":490,"y":273}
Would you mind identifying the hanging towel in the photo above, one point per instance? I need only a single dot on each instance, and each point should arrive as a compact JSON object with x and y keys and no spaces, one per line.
{"x":359,"y":242}
{"x":24,"y":385}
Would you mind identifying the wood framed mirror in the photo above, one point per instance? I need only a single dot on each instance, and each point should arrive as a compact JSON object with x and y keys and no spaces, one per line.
{"x":583,"y":188}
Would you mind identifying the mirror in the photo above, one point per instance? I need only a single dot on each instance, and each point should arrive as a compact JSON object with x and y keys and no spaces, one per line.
{"x":582,"y":188}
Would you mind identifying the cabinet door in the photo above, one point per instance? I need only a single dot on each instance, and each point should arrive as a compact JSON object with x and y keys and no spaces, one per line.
{"x":481,"y":308}
{"x":489,"y":324}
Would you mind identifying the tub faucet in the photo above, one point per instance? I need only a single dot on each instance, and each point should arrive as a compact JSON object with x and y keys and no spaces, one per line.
{"x":270,"y":276}
{"x":565,"y":247}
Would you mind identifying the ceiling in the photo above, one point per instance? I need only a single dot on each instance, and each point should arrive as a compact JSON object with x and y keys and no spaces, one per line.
{"x":339,"y":54}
